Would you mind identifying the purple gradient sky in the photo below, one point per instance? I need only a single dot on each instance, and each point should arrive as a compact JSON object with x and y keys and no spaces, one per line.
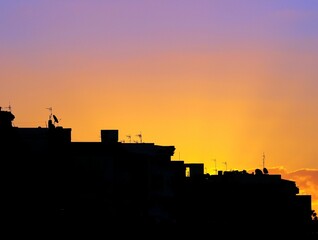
{"x":219,"y":79}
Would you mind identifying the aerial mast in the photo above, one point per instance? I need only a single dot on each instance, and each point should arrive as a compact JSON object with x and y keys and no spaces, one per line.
{"x":50,"y":109}
{"x":215,"y":169}
{"x":140,"y":137}
{"x":225,"y":163}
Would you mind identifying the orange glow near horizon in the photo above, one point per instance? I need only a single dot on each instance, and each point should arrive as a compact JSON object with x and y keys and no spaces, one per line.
{"x":216,"y":80}
{"x":182,"y":102}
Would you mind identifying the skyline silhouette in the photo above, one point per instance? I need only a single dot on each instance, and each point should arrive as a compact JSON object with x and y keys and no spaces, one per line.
{"x":307,"y":179}
{"x":110,"y":184}
{"x":229,"y":84}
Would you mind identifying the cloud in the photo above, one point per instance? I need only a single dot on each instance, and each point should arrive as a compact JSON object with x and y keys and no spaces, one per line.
{"x":306,"y":180}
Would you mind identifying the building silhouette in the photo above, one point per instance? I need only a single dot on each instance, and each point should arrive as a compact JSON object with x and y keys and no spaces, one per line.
{"x":50,"y":178}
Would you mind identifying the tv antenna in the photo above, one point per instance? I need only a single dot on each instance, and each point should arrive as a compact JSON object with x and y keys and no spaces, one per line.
{"x":55,"y":119}
{"x":225,"y":163}
{"x":50,"y":109}
{"x":264,"y":168}
{"x":215,"y":169}
{"x":140,"y":137}
{"x":9,"y":107}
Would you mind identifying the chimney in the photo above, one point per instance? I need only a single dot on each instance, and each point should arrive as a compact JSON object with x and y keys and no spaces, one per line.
{"x":109,"y":136}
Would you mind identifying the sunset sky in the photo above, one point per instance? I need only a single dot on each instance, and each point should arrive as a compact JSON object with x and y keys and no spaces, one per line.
{"x":224,"y":81}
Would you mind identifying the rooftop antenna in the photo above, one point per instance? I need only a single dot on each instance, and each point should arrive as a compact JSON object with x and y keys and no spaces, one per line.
{"x":225,"y":163}
{"x":50,"y":109}
{"x":264,"y":168}
{"x":215,"y":169}
{"x":9,"y":107}
{"x":140,"y":137}
{"x":51,"y":123}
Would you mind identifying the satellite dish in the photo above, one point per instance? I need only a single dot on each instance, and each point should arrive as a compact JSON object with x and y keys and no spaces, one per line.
{"x":55,"y":119}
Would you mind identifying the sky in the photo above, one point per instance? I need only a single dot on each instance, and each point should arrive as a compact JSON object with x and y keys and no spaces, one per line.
{"x":226,"y":82}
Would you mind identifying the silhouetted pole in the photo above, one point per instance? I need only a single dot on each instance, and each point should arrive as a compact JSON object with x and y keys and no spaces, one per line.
{"x":215,"y":169}
{"x":225,"y":163}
